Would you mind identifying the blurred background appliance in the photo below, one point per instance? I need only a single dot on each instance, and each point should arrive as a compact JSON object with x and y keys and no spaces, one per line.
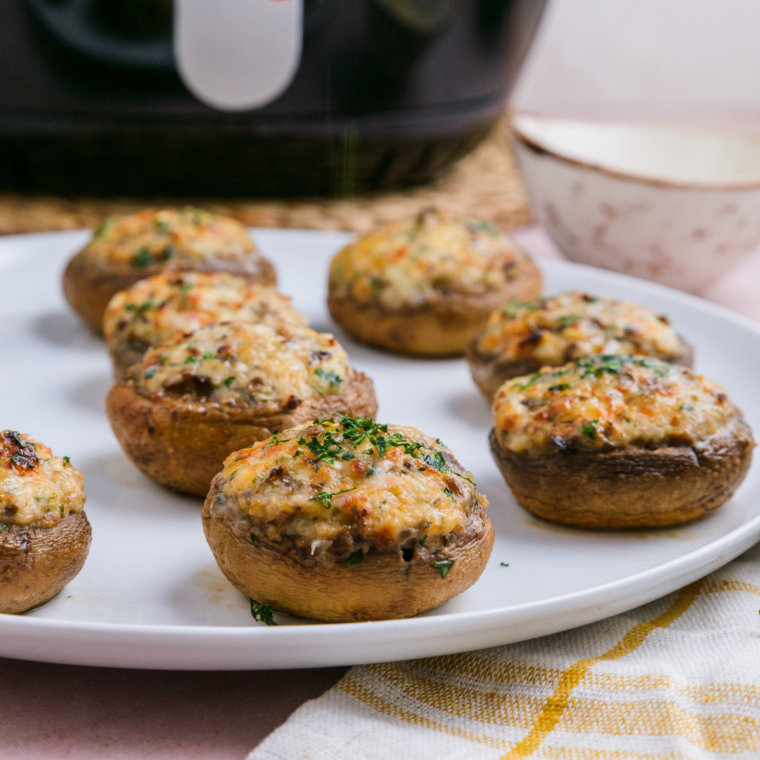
{"x":386,"y":94}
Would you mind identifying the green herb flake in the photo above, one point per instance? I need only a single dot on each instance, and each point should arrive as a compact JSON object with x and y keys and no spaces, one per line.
{"x":208,"y":356}
{"x":566,"y":320}
{"x":687,"y":407}
{"x":143,"y":258}
{"x":329,"y":376}
{"x":150,"y":372}
{"x":253,"y":537}
{"x":441,"y":443}
{"x":274,"y":440}
{"x":444,"y":565}
{"x":190,"y":360}
{"x":560,"y":387}
{"x":355,"y":559}
{"x":422,"y":542}
{"x":262,"y":613}
{"x":449,"y":492}
{"x":503,"y":564}
{"x":589,"y":429}
{"x":228,"y":381}
{"x":66,"y":461}
{"x":376,"y":283}
{"x":326,"y":498}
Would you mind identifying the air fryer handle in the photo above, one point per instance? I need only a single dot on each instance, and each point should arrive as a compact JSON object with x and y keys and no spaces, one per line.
{"x":235,"y":55}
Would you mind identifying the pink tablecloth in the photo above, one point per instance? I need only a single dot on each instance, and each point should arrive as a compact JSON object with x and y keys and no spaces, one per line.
{"x":55,"y":711}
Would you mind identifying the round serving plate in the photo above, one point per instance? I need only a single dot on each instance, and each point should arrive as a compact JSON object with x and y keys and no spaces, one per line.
{"x":151,"y":595}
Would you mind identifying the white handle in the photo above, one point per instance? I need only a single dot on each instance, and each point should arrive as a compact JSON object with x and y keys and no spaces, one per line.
{"x":237,"y":54}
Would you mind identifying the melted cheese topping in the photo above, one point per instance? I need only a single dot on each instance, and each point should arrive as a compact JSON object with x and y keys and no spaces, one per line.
{"x":412,"y":262}
{"x":237,"y":364}
{"x":155,"y":310}
{"x":169,"y":238}
{"x":35,"y":486}
{"x":554,"y":331}
{"x":350,"y":485}
{"x":603,"y":402}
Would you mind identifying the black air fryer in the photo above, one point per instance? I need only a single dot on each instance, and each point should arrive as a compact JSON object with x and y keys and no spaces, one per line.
{"x":250,"y":97}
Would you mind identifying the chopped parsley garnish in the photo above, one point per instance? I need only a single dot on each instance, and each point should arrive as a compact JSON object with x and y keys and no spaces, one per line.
{"x":589,"y":429}
{"x":207,"y":356}
{"x":66,"y":461}
{"x":435,"y":460}
{"x":329,"y":376}
{"x":355,"y":559}
{"x":357,"y":430}
{"x":150,"y":372}
{"x":275,"y":440}
{"x":449,"y":492}
{"x":169,"y":252}
{"x":18,"y":459}
{"x":228,"y":381}
{"x":444,"y":565}
{"x":326,"y":498}
{"x":441,"y":443}
{"x":253,"y":537}
{"x":262,"y":613}
{"x":503,"y":564}
{"x":484,"y":226}
{"x":422,"y":541}
{"x":190,"y":360}
{"x":560,"y":387}
{"x":515,"y":306}
{"x":143,"y":258}
{"x":19,"y":441}
{"x":376,"y":283}
{"x":568,"y":319}
{"x":687,"y":407}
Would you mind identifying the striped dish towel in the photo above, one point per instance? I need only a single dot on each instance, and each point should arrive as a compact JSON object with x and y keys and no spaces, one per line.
{"x":678,"y":678}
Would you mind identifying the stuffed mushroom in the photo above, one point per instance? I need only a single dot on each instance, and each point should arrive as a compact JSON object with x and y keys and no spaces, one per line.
{"x":522,"y":337}
{"x":346,"y":520}
{"x":156,"y":310}
{"x":188,"y":404}
{"x":426,"y":286}
{"x":44,"y":532}
{"x":619,"y":441}
{"x":126,"y":249}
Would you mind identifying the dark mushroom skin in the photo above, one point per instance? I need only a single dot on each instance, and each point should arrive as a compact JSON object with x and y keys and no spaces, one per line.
{"x":158,"y":309}
{"x":125,"y":249}
{"x":188,"y":404}
{"x":523,"y":336}
{"x":619,"y":442}
{"x":44,"y":532}
{"x":426,"y":286}
{"x":346,"y":520}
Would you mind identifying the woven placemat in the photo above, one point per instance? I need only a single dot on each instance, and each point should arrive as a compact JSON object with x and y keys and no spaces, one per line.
{"x":485,"y":185}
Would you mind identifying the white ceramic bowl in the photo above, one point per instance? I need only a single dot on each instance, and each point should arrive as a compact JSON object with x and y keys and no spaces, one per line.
{"x":674,"y":205}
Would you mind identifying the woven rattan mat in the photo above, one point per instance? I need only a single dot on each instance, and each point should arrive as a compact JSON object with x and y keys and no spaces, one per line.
{"x":485,"y":184}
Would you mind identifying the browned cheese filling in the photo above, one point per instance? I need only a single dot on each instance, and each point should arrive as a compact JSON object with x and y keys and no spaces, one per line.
{"x":237,"y":364}
{"x":599,"y":403}
{"x":155,"y":310}
{"x":36,"y":488}
{"x":413,"y":262}
{"x":168,"y":237}
{"x":554,"y":331}
{"x":338,"y":488}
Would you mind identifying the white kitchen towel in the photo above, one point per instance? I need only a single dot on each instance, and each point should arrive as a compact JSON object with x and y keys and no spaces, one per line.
{"x":678,"y":678}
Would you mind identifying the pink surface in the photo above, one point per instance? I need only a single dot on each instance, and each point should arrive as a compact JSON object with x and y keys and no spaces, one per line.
{"x":57,"y":711}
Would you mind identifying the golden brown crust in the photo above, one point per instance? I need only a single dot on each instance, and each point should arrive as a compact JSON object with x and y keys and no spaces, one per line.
{"x":443,"y":327}
{"x":489,"y":373}
{"x":36,"y":563}
{"x":182,"y":445}
{"x":384,"y":586}
{"x":627,"y":488}
{"x":88,"y":290}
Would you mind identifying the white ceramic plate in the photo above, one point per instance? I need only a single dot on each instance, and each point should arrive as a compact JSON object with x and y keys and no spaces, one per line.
{"x":151,"y":596}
